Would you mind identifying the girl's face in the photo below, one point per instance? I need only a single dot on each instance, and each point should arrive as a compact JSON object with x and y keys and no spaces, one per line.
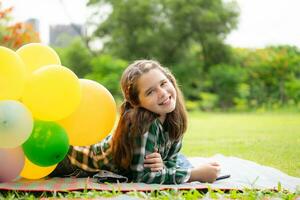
{"x":156,"y":93}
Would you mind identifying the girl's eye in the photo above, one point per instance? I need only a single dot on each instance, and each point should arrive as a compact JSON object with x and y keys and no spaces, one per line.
{"x":149,"y":93}
{"x":163,"y":83}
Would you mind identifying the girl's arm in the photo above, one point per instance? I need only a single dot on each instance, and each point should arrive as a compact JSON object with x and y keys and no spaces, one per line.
{"x":169,"y":175}
{"x":207,"y":172}
{"x":173,"y":154}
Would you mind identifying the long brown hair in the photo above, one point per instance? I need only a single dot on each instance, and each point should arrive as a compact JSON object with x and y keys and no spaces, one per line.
{"x":135,"y":120}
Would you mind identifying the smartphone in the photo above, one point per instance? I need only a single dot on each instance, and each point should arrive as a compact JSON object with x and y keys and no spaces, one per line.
{"x":223,"y":177}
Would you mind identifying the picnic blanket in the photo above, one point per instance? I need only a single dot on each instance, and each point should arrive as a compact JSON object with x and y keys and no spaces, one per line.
{"x":244,"y":174}
{"x":248,"y":174}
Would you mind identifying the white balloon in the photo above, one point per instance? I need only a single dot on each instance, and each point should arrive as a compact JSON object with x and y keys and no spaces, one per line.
{"x":16,"y":123}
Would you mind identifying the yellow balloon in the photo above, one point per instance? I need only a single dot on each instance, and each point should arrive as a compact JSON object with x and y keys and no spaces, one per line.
{"x":36,"y":55}
{"x":12,"y":74}
{"x":94,"y":118}
{"x":32,"y":171}
{"x":52,"y":93}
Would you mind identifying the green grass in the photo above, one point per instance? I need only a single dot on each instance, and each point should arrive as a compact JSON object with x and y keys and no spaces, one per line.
{"x":163,"y":195}
{"x":271,"y":139}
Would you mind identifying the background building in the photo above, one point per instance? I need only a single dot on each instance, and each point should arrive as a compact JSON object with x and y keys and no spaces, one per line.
{"x":63,"y":35}
{"x":35,"y":23}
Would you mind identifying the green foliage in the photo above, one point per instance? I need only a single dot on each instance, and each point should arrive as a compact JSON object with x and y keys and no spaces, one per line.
{"x":260,"y":79}
{"x":273,"y":74}
{"x":208,"y":101}
{"x":189,"y":74}
{"x":226,"y":82}
{"x":292,"y":89}
{"x":215,"y":52}
{"x":188,"y":38}
{"x":107,"y":71}
{"x":241,"y":100}
{"x":76,"y":57}
{"x":191,"y":105}
{"x":166,"y":29}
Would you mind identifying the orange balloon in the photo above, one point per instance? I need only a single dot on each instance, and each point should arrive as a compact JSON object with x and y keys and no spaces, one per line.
{"x":32,"y":171}
{"x":94,"y":118}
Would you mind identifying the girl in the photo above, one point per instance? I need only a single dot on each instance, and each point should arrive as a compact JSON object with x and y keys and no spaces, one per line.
{"x":149,"y":134}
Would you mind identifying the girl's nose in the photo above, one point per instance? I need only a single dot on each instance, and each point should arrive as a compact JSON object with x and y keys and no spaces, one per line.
{"x":162,"y":92}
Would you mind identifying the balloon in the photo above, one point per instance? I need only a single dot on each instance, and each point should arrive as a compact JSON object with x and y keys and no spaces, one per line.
{"x":16,"y":123}
{"x":12,"y":74}
{"x":95,"y":116}
{"x":36,"y":55}
{"x":47,"y":145}
{"x":52,"y":93}
{"x":32,"y":171}
{"x":12,"y":163}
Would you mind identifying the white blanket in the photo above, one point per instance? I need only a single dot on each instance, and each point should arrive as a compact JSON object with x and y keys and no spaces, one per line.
{"x":248,"y":174}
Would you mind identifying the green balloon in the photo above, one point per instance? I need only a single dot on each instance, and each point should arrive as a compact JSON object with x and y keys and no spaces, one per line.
{"x":47,"y":145}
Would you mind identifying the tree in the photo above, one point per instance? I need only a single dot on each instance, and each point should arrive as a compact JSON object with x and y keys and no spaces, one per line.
{"x":77,"y":57}
{"x":166,"y":29}
{"x":14,"y":35}
{"x":108,"y":71}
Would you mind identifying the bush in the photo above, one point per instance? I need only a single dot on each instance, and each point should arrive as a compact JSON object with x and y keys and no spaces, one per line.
{"x":208,"y":101}
{"x":77,"y":57}
{"x":272,"y":74}
{"x":225,"y":83}
{"x":191,"y":105}
{"x":293,"y":90}
{"x":241,"y":101}
{"x":189,"y":75}
{"x":107,"y":71}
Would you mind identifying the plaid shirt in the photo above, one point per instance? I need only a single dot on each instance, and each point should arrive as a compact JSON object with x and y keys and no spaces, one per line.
{"x":99,"y":157}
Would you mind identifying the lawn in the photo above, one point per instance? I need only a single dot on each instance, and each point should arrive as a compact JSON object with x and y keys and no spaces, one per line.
{"x":271,"y":139}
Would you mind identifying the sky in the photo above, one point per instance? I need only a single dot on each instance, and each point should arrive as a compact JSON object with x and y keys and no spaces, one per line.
{"x":267,"y":22}
{"x":261,"y":22}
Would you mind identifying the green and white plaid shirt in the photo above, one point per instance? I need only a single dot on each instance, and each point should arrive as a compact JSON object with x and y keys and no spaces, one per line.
{"x":99,"y":157}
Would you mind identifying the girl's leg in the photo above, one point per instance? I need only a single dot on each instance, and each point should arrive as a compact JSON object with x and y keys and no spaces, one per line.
{"x":66,"y":169}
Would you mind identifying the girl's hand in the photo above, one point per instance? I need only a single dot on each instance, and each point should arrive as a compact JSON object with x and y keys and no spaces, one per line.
{"x":205,"y":173}
{"x":154,"y":161}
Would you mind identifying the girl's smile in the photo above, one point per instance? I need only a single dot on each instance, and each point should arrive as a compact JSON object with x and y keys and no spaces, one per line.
{"x":166,"y":101}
